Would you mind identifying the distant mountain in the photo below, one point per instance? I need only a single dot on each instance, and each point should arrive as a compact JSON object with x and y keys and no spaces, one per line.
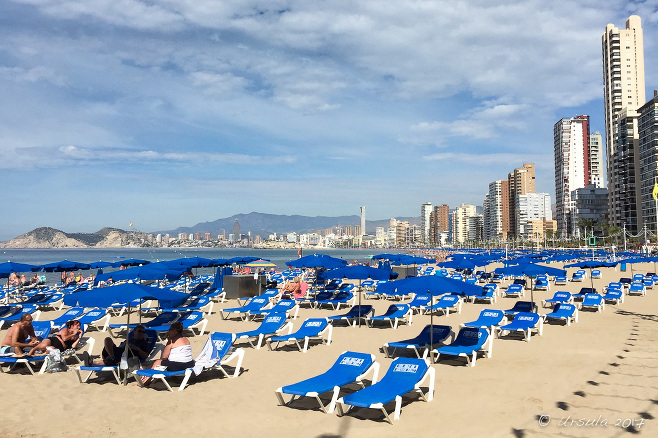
{"x":264,"y":224}
{"x":46,"y":237}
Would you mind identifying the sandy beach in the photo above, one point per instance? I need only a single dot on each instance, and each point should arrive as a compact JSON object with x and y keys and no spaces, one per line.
{"x":595,"y":378}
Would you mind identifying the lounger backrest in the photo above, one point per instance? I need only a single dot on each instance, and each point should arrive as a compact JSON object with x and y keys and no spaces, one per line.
{"x":420,"y":300}
{"x":272,"y":322}
{"x":490,"y":287}
{"x":564,"y":309}
{"x":284,"y":305}
{"x":523,"y":306}
{"x":448,"y":299}
{"x":358,"y":311}
{"x":351,"y":363}
{"x":41,"y":329}
{"x":342,"y":296}
{"x":491,"y":317}
{"x":614,"y":285}
{"x":189,"y":318}
{"x":315,"y":325}
{"x":637,"y":286}
{"x":587,"y":290}
{"x":404,"y":373}
{"x":471,"y":336}
{"x":323,"y":296}
{"x":592,"y":299}
{"x":563,"y":296}
{"x":528,"y":319}
{"x":346,"y":287}
{"x":515,"y":287}
{"x":92,"y":315}
{"x":613,"y":293}
{"x":396,"y":308}
{"x":70,"y":314}
{"x":164,"y":318}
{"x":437,"y":332}
{"x":221,"y":344}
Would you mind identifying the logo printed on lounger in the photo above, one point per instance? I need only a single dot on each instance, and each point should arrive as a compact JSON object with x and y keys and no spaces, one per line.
{"x":219,"y":345}
{"x":400,"y":307}
{"x":525,"y":318}
{"x":314,"y":324}
{"x":490,"y":314}
{"x":471,"y":334}
{"x":406,"y":368}
{"x":352,"y":361}
{"x":273,"y":319}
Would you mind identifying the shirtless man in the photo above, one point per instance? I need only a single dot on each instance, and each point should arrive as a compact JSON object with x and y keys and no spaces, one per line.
{"x":17,"y":334}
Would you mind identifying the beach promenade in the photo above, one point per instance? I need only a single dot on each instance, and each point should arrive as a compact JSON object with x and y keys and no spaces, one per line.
{"x":598,"y":377}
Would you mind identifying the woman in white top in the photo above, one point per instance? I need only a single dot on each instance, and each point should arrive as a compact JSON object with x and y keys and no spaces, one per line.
{"x":177,"y":354}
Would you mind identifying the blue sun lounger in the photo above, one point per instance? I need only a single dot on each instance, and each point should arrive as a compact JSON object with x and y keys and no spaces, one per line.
{"x":72,"y":313}
{"x":350,"y":367}
{"x":13,"y":313}
{"x":468,"y":343}
{"x":41,"y":330}
{"x":354,"y":314}
{"x":489,"y":293}
{"x":515,"y":289}
{"x":563,"y":312}
{"x":489,"y":319}
{"x":558,"y":297}
{"x":151,"y":336}
{"x":163,"y":319}
{"x":525,"y":322}
{"x":430,"y":336}
{"x":394,"y":314}
{"x":255,"y":303}
{"x":93,"y":318}
{"x":214,"y":355}
{"x":614,"y":295}
{"x":405,"y":375}
{"x":342,"y":297}
{"x":584,"y":291}
{"x":445,"y":303}
{"x":593,"y":301}
{"x":311,"y":329}
{"x":637,"y":288}
{"x":520,"y":306}
{"x":286,"y":306}
{"x":271,"y":326}
{"x":419,"y":302}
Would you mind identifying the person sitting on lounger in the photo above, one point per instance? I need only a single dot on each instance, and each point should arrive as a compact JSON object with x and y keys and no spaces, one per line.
{"x":291,"y":288}
{"x":17,"y":334}
{"x":177,"y":354}
{"x":68,"y":337}
{"x":14,"y":280}
{"x":139,"y":346}
{"x":35,"y":279}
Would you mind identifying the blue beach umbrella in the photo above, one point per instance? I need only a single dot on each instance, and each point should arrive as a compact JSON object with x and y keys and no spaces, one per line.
{"x":65,"y":265}
{"x":317,"y":261}
{"x":7,"y":268}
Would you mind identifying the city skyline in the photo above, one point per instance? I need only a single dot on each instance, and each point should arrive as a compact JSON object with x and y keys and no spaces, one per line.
{"x":173,"y":114}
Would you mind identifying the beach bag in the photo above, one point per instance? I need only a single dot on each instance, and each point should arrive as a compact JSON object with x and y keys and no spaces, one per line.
{"x":55,"y":362}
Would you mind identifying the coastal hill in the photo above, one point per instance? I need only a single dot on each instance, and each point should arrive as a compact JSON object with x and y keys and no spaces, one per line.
{"x":46,"y":237}
{"x":264,"y":224}
{"x":257,"y":223}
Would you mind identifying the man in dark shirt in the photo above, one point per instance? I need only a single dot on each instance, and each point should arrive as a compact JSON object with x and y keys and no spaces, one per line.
{"x":139,"y":346}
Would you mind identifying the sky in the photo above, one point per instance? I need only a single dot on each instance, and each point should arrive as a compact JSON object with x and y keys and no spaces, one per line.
{"x":173,"y":112}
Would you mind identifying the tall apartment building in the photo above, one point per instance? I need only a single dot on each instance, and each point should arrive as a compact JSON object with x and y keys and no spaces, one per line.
{"x":623,"y":81}
{"x":531,"y":207}
{"x":572,"y":148}
{"x":425,"y":228}
{"x":461,"y":223}
{"x":521,"y":181}
{"x":596,"y":170}
{"x":648,"y":159}
{"x":624,"y":201}
{"x":496,"y":211}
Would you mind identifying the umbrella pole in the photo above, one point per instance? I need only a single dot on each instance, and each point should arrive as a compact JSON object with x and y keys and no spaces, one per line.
{"x":429,"y":353}
{"x":125,"y":372}
{"x":359,"y":302}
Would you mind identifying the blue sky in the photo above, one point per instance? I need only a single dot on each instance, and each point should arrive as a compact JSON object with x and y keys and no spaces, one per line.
{"x":173,"y":112}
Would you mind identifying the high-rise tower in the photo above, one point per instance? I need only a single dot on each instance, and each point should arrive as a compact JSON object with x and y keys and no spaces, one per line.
{"x":623,"y":81}
{"x":571,"y":147}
